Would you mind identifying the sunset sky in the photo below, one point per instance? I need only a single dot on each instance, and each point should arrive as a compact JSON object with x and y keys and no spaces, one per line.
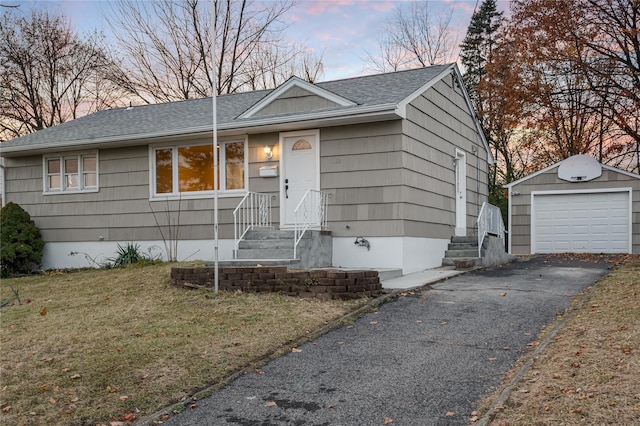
{"x":345,"y":30}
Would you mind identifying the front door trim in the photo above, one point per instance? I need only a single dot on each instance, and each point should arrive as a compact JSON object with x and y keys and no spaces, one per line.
{"x":461,"y":193}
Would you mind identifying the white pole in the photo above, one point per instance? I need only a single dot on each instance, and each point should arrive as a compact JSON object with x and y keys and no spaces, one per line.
{"x":216,"y":184}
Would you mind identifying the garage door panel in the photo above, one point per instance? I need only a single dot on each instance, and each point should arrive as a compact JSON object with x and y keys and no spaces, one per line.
{"x":582,"y":223}
{"x":620,"y":230}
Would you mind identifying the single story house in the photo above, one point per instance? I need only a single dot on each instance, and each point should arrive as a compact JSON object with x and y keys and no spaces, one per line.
{"x":576,"y":205}
{"x":398,"y":159}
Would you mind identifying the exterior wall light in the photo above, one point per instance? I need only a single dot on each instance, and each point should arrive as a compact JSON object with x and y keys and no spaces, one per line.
{"x":268,"y":152}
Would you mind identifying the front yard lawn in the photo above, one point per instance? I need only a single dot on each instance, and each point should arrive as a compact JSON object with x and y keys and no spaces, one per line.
{"x":100,"y":346}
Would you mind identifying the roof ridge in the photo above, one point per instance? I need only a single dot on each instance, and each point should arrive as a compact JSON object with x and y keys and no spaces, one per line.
{"x":387,"y":73}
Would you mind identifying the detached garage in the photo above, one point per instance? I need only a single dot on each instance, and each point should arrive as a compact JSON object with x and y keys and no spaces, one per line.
{"x":577,"y":205}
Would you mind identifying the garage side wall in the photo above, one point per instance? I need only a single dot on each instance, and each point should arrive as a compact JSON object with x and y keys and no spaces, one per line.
{"x":521,"y":209}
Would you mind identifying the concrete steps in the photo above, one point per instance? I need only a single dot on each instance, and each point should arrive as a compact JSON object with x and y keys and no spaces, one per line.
{"x":261,"y":245}
{"x":462,"y":253}
{"x":291,"y":263}
{"x":265,"y":253}
{"x":266,"y":244}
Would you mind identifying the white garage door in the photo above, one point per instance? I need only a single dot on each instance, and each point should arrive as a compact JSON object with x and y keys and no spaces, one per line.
{"x":581,"y":223}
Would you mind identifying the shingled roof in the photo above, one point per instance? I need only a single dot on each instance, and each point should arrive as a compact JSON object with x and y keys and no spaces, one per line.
{"x":195,"y":116}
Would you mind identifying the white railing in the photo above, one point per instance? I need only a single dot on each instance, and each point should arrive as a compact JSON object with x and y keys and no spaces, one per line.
{"x":489,"y":222}
{"x":311,"y":212}
{"x":254,"y":211}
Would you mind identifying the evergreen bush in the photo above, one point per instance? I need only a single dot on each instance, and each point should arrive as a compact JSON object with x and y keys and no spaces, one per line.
{"x":21,"y":244}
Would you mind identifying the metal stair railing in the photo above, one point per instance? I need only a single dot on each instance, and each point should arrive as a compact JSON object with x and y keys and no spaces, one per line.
{"x":254,"y":211}
{"x":489,"y":222}
{"x":311,"y":212}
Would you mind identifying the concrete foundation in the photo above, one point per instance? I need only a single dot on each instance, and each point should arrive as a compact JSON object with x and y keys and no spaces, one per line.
{"x":494,"y":252}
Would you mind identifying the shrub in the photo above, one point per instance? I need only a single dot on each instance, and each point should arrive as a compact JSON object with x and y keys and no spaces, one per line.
{"x":127,"y":255}
{"x":20,"y":241}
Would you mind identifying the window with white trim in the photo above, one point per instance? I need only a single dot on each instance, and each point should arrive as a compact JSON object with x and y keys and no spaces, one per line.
{"x":188,"y":169}
{"x":71,"y":173}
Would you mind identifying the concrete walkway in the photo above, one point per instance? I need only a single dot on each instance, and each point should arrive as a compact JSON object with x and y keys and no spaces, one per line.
{"x":425,"y":358}
{"x":419,"y":279}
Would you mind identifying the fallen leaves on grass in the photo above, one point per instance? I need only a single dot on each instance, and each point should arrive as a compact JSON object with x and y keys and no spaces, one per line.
{"x":601,"y":333}
{"x":131,"y":343}
{"x":129,"y":417}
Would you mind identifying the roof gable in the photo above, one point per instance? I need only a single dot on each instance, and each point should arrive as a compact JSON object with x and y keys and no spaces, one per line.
{"x":557,"y":165}
{"x":295,"y":95}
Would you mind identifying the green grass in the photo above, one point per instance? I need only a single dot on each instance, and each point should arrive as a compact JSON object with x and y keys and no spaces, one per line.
{"x":97,"y":346}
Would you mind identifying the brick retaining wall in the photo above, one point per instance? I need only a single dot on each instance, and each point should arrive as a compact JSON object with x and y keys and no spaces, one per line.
{"x":321,"y":284}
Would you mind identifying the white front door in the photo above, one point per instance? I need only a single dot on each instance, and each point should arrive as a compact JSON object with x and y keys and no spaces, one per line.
{"x":461,"y":194}
{"x":300,"y":171}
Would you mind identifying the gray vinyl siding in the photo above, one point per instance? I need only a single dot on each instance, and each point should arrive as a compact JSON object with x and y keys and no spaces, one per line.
{"x":437,"y":123}
{"x":295,"y":100}
{"x":397,"y":178}
{"x":548,"y":181}
{"x":121,"y":210}
{"x":387,"y":178}
{"x":361,"y":167}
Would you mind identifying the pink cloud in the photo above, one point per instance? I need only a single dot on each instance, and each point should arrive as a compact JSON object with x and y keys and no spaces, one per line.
{"x":294,"y":17}
{"x":318,"y":7}
{"x":380,"y":6}
{"x":466,"y":6}
{"x":325,"y":36}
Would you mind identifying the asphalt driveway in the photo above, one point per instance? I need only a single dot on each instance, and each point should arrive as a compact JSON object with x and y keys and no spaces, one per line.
{"x":425,"y":358}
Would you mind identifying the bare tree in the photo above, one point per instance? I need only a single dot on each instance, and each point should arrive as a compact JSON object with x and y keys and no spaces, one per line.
{"x":48,"y":74}
{"x":415,"y":37}
{"x":167,"y":46}
{"x":293,"y":60}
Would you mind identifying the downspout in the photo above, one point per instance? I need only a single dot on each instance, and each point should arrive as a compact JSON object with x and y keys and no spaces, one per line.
{"x":509,"y":217}
{"x":2,"y":183}
{"x":475,"y":151}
